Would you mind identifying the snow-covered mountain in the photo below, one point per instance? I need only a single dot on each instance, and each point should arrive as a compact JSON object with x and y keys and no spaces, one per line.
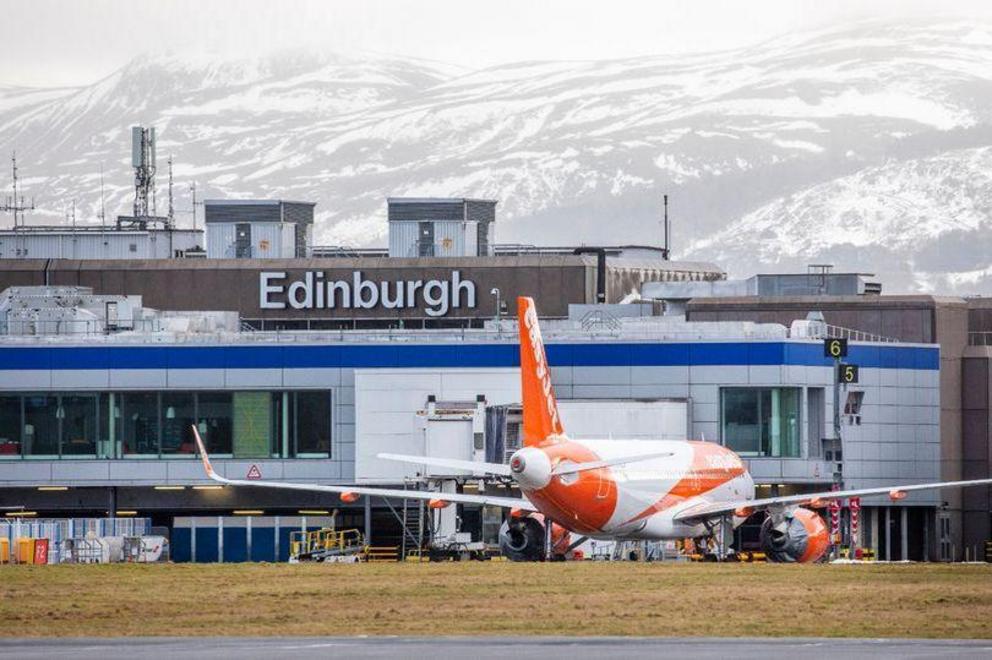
{"x":866,"y":146}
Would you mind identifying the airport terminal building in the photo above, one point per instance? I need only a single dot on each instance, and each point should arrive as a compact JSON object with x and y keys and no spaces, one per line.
{"x":303,"y":369}
{"x":101,"y":422}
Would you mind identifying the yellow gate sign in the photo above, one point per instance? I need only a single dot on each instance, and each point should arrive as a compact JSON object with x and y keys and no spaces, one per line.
{"x":835,"y":348}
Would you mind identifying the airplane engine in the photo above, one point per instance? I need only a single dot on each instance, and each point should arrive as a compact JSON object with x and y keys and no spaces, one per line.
{"x":521,"y":538}
{"x":798,"y":536}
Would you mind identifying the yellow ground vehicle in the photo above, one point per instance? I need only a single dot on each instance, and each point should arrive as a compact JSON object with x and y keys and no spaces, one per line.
{"x":328,"y":544}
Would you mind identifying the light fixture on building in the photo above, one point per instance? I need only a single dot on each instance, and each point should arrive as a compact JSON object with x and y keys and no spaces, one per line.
{"x":313,"y":512}
{"x":52,"y":488}
{"x":126,"y":514}
{"x":208,"y":488}
{"x":170,"y":487}
{"x":170,"y":412}
{"x":248,"y":512}
{"x":21,"y":514}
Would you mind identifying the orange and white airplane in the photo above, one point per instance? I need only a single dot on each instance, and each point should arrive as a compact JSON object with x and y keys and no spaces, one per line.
{"x":614,"y":489}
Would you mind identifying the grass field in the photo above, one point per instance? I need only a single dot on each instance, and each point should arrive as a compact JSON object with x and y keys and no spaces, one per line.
{"x":498,"y":598}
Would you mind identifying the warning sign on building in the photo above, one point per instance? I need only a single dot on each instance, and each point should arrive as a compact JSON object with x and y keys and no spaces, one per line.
{"x":254,"y":473}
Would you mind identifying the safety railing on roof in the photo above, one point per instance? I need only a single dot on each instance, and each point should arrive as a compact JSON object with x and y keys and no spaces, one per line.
{"x":28,"y":327}
{"x":839,"y":332}
{"x":152,"y":331}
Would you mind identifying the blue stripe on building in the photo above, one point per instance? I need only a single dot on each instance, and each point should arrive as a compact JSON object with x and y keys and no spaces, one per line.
{"x":458,"y":355}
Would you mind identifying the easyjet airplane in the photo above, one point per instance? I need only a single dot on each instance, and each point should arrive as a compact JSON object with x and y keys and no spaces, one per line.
{"x":614,"y":489}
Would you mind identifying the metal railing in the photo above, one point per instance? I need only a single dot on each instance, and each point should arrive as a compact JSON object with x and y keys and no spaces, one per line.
{"x":153,"y":331}
{"x":29,"y":327}
{"x":840,"y":332}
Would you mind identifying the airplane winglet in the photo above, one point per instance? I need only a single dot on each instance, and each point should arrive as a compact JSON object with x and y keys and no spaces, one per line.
{"x":203,"y":453}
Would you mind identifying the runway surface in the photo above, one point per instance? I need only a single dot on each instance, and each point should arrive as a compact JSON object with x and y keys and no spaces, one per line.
{"x":489,"y":647}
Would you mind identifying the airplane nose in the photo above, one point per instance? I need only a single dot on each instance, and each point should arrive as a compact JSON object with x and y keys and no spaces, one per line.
{"x":531,"y":468}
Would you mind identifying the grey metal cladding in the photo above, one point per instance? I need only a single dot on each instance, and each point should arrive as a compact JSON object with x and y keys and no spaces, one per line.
{"x":298,"y":213}
{"x":432,"y":210}
{"x":261,"y":212}
{"x":480,"y":211}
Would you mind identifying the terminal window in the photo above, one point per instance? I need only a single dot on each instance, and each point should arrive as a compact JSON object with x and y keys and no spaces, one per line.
{"x":154,"y":424}
{"x":758,"y":421}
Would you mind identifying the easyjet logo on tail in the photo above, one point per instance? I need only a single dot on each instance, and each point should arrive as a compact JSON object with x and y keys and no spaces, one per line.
{"x":541,"y":370}
{"x":541,"y":420}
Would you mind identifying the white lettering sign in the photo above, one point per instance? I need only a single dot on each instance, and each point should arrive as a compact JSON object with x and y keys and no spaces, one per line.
{"x":437,"y":297}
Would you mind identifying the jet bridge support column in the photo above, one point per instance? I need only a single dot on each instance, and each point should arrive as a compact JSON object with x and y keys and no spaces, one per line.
{"x":447,"y":517}
{"x":368,"y":520}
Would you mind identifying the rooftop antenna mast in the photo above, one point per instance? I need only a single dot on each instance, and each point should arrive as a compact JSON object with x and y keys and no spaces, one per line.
{"x":192,"y":191}
{"x":172,"y":219}
{"x":103,"y":203}
{"x":13,"y":204}
{"x":143,"y":162}
{"x":668,"y":238}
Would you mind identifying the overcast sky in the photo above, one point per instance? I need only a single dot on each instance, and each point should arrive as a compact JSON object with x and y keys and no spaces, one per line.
{"x":75,"y":42}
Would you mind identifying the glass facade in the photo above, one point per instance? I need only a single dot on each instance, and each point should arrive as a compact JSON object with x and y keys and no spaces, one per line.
{"x":158,"y":424}
{"x":761,"y":421}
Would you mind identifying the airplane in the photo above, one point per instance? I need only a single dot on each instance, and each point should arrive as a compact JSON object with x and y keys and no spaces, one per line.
{"x":614,"y":489}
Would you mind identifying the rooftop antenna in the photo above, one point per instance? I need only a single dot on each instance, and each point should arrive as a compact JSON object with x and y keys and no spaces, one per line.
{"x":74,"y":213}
{"x":171,"y":215}
{"x":668,"y":245}
{"x":192,"y":190}
{"x":103,"y":204}
{"x":143,"y":162}
{"x":13,"y":205}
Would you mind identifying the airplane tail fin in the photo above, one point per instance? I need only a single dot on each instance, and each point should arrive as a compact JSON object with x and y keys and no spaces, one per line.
{"x":541,"y":419}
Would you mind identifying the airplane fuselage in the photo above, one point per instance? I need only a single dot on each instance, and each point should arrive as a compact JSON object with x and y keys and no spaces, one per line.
{"x":635,"y":500}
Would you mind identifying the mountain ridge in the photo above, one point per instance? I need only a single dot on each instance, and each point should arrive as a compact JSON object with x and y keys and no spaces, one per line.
{"x":576,"y":151}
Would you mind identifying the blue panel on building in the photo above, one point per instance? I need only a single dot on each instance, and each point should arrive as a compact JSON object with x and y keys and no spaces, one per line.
{"x":196,"y":357}
{"x":760,"y":353}
{"x":305,"y":357}
{"x":659,"y":355}
{"x":459,"y":355}
{"x":863,"y":356}
{"x":927,"y":360}
{"x":206,"y":545}
{"x":493,"y":355}
{"x":808,"y":355}
{"x":371,"y":356}
{"x":713,"y":354}
{"x":284,"y":533}
{"x":250,"y":357}
{"x":25,"y":358}
{"x":263,"y":544}
{"x":179,"y":544}
{"x":84,"y":357}
{"x":598,"y":355}
{"x":235,"y":544}
{"x":137,"y":357}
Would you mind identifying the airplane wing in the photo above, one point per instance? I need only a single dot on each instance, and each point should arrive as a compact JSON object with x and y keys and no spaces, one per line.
{"x":460,"y":498}
{"x":474,"y":467}
{"x":502,"y":470}
{"x":706,"y":510}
